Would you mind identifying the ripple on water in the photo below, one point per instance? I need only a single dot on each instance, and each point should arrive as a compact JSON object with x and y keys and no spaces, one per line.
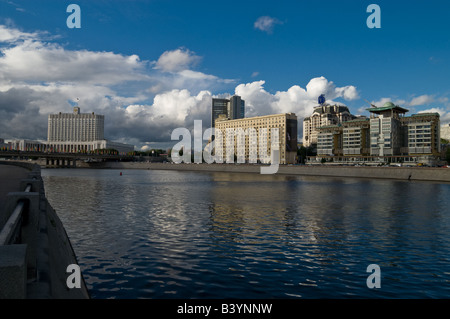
{"x":167,"y":234}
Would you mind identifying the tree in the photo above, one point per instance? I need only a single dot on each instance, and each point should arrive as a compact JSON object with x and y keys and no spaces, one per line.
{"x":304,"y":152}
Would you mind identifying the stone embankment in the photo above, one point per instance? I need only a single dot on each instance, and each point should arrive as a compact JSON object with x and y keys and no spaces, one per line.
{"x":35,"y":250}
{"x":436,"y":174}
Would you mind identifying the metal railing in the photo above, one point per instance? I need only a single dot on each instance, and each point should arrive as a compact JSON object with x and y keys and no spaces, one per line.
{"x":11,"y":230}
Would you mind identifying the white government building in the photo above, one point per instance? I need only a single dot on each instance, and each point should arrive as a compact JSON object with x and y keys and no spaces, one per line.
{"x":72,"y":133}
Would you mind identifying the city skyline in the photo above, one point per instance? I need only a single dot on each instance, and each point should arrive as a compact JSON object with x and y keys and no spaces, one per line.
{"x":152,"y":66}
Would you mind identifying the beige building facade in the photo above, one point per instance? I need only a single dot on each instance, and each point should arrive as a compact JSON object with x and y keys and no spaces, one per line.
{"x":253,"y":138}
{"x":323,"y":115}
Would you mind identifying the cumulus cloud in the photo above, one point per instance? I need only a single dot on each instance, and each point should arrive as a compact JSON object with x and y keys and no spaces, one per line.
{"x":176,"y":60}
{"x":296,"y":99}
{"x":421,"y":100}
{"x":175,"y":71}
{"x":155,"y":122}
{"x":142,"y":104}
{"x":382,"y":101}
{"x":8,"y":34}
{"x":266,"y":23}
{"x":443,"y":113}
{"x":35,"y":61}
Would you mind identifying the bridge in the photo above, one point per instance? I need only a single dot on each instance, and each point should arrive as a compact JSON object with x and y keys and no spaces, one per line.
{"x":55,"y":159}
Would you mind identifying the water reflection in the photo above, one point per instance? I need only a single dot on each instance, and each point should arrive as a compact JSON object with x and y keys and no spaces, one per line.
{"x":163,"y":234}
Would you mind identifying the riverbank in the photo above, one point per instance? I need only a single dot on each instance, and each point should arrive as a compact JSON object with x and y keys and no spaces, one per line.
{"x":33,"y":264}
{"x":398,"y":173}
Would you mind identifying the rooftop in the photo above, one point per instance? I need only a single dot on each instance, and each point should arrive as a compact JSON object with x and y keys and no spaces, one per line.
{"x":426,"y":114}
{"x":387,"y":106}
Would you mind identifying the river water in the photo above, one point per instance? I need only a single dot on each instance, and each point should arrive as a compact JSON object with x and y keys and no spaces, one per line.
{"x":177,"y":234}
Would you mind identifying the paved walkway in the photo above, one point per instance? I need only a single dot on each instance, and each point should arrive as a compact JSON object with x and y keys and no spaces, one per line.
{"x":10,"y":177}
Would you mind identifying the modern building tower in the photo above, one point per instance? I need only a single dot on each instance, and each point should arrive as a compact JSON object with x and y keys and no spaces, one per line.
{"x":233,"y":108}
{"x":386,"y":133}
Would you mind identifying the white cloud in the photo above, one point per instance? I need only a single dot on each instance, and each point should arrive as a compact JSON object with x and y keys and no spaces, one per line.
{"x":175,"y":72}
{"x":296,"y":99}
{"x":443,"y":113}
{"x":176,"y":60}
{"x":321,"y":85}
{"x":421,"y":100}
{"x":38,"y":78}
{"x":384,"y":100}
{"x":35,"y":61}
{"x":8,"y":34}
{"x":266,"y":23}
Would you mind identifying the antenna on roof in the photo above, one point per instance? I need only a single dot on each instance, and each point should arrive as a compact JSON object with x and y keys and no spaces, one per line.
{"x":372,"y":105}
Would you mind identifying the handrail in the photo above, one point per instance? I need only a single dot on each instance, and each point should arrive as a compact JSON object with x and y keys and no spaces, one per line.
{"x":9,"y":233}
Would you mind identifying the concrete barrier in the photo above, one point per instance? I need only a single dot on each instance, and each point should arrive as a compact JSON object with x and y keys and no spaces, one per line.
{"x":13,"y":271}
{"x":40,"y":254}
{"x":435,"y":174}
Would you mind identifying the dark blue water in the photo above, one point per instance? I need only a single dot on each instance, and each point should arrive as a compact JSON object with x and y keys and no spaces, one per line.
{"x":174,"y":234}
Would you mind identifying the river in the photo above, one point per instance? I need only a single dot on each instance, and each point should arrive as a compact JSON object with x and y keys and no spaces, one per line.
{"x":178,"y":234}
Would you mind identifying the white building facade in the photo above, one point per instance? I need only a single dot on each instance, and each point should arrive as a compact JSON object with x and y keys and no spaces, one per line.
{"x":75,"y":127}
{"x":79,"y":132}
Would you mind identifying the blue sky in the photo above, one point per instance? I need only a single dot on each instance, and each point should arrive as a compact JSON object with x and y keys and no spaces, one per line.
{"x":152,"y":55}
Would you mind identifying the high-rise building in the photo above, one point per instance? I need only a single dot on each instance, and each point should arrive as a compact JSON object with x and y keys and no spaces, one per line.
{"x":233,"y":108}
{"x":323,"y":115}
{"x":387,"y":135}
{"x":236,"y":108}
{"x":76,"y":132}
{"x":356,"y":136}
{"x":422,"y":133}
{"x":75,"y":127}
{"x":258,"y":131}
{"x":349,"y":138}
{"x":219,"y":107}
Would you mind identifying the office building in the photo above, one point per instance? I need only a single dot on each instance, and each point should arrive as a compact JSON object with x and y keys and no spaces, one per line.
{"x":4,"y":146}
{"x":356,"y":136}
{"x":233,"y":108}
{"x":75,"y":127}
{"x":386,"y":129}
{"x":388,"y":136}
{"x":259,"y":132}
{"x":323,"y":115}
{"x":329,"y":140}
{"x":349,"y":138}
{"x":76,"y":132}
{"x":422,"y":133}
